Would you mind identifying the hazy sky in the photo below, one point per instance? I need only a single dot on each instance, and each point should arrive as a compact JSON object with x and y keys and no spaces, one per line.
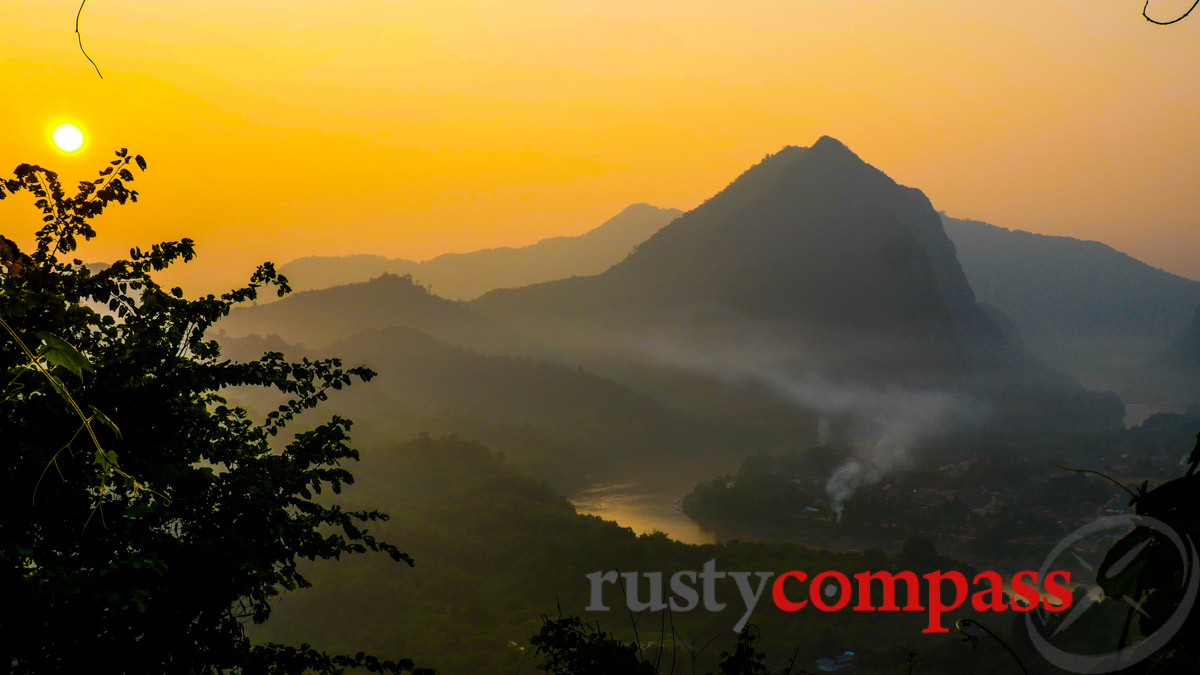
{"x":282,"y":128}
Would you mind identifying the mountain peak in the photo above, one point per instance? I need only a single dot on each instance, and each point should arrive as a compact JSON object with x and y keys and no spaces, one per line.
{"x":828,"y":147}
{"x":803,"y":219}
{"x":830,"y":142}
{"x":832,"y":157}
{"x":643,"y":207}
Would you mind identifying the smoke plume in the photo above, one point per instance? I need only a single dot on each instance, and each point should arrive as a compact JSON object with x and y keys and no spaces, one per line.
{"x":882,"y":425}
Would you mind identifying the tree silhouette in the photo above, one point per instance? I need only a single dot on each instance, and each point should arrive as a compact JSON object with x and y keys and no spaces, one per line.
{"x":145,"y":519}
{"x":1144,"y":568}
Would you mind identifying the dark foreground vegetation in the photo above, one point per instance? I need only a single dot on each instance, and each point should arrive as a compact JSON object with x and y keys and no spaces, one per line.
{"x":146,"y":521}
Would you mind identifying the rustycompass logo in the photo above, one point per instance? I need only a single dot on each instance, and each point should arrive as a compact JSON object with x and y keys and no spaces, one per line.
{"x":933,"y":593}
{"x":1148,"y":545}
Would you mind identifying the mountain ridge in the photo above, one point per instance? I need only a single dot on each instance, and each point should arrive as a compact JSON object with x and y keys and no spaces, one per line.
{"x":460,"y":276}
{"x":1081,"y":305}
{"x":1047,"y":269}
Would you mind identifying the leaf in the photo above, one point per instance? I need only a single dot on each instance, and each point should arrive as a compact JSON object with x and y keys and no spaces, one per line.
{"x":1131,"y":566}
{"x":61,"y":353}
{"x":103,"y":419}
{"x":1144,"y":569}
{"x":106,"y":459}
{"x":141,"y":162}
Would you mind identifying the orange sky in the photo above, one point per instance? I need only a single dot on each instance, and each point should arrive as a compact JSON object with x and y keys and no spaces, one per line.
{"x":296,"y":127}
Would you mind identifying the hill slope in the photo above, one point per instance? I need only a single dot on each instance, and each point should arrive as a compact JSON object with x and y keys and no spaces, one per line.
{"x":317,"y":318}
{"x":1171,"y":377}
{"x":1063,"y":286}
{"x":554,"y":421}
{"x":1080,"y":304}
{"x":1184,"y":350}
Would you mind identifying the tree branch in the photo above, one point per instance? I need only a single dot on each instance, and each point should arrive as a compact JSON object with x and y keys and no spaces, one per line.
{"x":1144,"y":13}
{"x":79,"y":37}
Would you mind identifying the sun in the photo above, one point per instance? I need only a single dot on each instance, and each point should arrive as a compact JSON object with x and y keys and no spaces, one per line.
{"x":67,"y":137}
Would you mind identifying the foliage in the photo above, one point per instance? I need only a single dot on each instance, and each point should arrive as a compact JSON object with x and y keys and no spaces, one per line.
{"x":1145,"y":565}
{"x":182,"y":518}
{"x":745,"y":659}
{"x":571,"y":647}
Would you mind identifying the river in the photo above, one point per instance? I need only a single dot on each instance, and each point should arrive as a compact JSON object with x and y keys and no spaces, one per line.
{"x":648,"y":502}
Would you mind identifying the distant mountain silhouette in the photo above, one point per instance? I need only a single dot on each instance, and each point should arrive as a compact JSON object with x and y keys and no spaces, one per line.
{"x":463,"y":276}
{"x":318,"y":318}
{"x":812,"y":263}
{"x":553,"y":420}
{"x":819,"y":257}
{"x":1081,"y":305}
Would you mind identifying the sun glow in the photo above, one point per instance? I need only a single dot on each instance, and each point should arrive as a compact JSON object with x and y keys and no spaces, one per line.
{"x":67,"y":137}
